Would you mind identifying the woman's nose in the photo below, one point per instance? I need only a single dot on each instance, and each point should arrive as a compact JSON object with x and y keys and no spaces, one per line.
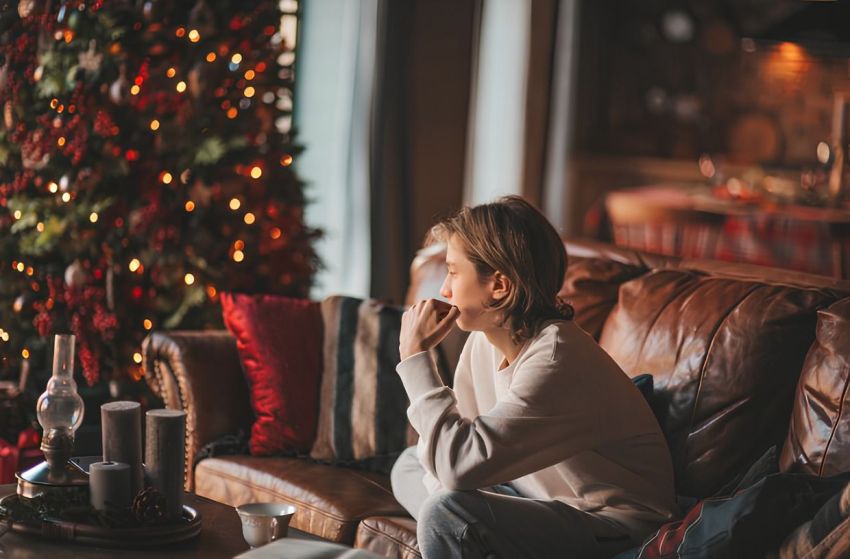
{"x":444,"y":289}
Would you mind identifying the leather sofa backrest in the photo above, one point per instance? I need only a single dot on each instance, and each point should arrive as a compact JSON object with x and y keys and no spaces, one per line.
{"x":818,"y":439}
{"x":591,"y":286}
{"x":591,"y":249}
{"x":725,"y":343}
{"x":594,"y":274}
{"x":725,"y":353}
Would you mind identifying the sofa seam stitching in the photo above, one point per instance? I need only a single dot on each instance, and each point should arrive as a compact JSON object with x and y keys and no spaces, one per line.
{"x":183,"y":389}
{"x":285,"y":497}
{"x":389,"y":537}
{"x":655,"y":319}
{"x":704,"y":364}
{"x":828,"y":540}
{"x":835,"y":425}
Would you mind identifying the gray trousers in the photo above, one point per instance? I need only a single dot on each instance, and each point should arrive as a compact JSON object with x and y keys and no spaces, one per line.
{"x":493,"y":524}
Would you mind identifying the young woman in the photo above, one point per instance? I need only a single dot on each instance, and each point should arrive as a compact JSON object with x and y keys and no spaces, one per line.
{"x":544,"y":447}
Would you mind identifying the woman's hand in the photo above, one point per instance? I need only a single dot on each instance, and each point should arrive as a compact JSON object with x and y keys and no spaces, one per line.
{"x":424,"y":325}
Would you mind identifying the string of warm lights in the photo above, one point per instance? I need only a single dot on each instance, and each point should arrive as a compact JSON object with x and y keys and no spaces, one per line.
{"x":222,"y":69}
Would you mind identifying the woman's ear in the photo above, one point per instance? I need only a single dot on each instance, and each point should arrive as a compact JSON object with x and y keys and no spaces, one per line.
{"x":501,"y":286}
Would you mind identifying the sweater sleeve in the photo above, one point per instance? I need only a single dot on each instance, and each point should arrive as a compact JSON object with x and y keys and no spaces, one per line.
{"x":534,"y":426}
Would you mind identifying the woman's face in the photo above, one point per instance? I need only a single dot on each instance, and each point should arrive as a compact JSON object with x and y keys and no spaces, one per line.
{"x":466,"y":290}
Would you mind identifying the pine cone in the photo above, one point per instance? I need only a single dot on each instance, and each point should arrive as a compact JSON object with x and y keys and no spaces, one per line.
{"x":149,"y":506}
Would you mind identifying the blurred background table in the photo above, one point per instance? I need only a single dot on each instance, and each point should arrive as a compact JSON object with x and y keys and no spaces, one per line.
{"x":687,"y":220}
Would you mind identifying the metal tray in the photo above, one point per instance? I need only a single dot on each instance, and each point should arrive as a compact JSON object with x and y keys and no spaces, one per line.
{"x":145,"y":536}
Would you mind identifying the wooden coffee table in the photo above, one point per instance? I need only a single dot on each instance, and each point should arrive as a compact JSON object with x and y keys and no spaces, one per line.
{"x":221,"y":537}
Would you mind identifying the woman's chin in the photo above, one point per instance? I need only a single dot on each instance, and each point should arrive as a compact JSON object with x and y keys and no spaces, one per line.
{"x":468,"y":325}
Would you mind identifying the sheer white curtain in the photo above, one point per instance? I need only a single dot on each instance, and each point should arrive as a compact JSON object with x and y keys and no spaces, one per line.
{"x":557,"y":189}
{"x":494,"y":164}
{"x":333,"y":111}
{"x":496,"y":143}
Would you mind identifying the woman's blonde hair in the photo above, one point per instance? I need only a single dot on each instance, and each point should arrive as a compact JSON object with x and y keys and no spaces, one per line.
{"x":512,"y":237}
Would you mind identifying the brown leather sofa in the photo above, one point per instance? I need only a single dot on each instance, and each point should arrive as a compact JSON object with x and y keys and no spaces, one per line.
{"x":743,"y":357}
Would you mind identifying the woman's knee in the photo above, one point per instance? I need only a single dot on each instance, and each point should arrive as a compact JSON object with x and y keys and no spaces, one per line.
{"x":438,"y":507}
{"x":438,"y":531}
{"x":435,"y":515}
{"x":444,"y":523}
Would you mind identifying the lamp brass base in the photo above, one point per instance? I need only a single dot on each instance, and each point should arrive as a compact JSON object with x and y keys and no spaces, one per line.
{"x":40,"y":479}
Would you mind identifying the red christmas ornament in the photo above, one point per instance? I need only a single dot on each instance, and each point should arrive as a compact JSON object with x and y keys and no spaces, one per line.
{"x":28,"y":438}
{"x":103,"y":124}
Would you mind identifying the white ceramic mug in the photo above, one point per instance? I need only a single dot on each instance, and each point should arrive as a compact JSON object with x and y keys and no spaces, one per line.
{"x":264,"y":522}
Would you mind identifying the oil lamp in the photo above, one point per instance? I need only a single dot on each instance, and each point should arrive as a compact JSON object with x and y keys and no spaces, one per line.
{"x":60,"y":413}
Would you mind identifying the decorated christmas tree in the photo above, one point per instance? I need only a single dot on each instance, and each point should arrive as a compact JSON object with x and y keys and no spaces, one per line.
{"x":145,"y":166}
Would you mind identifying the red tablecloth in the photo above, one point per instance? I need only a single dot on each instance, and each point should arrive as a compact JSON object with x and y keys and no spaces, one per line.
{"x":687,"y":221}
{"x":20,"y":456}
{"x":8,"y":462}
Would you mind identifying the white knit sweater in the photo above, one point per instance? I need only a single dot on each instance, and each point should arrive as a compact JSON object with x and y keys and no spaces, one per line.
{"x":562,"y":422}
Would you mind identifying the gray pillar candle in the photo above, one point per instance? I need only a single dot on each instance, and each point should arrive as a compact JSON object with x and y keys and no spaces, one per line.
{"x":109,"y":485}
{"x":122,"y":438}
{"x":165,"y":436}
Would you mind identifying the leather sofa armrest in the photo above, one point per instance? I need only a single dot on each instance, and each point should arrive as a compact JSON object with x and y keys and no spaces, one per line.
{"x":199,"y":372}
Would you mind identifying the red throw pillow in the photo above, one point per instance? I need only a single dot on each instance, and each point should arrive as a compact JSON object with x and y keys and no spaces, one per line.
{"x":280,"y":346}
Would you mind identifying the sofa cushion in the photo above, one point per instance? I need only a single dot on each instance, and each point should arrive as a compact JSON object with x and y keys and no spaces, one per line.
{"x":363,"y":405}
{"x":330,"y":500}
{"x":819,"y":435}
{"x":389,"y":536}
{"x":725,"y":353}
{"x":751,"y":523}
{"x":591,"y":286}
{"x":279,"y":342}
